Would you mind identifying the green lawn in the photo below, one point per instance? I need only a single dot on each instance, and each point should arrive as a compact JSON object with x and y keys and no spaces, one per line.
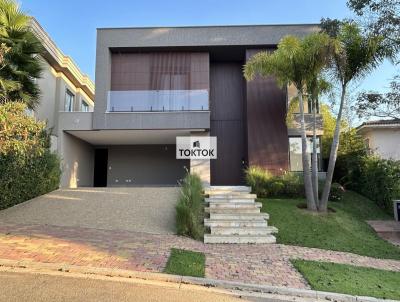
{"x":345,"y":230}
{"x":186,"y":263}
{"x":348,"y":279}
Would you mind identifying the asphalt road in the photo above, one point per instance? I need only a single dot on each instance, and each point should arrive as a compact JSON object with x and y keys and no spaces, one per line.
{"x":32,"y":287}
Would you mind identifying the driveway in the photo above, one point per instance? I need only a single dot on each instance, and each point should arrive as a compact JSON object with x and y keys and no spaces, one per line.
{"x":145,"y":209}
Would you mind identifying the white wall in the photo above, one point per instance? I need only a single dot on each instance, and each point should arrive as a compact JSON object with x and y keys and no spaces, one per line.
{"x":384,"y":142}
{"x":77,"y":161}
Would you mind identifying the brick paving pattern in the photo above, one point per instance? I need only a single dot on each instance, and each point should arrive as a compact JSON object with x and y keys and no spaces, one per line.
{"x":259,"y":264}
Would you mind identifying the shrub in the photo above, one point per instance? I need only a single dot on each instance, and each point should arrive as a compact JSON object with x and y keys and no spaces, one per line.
{"x":336,"y":193}
{"x":27,"y":167}
{"x":378,"y":179}
{"x":257,"y":178}
{"x":190,"y":208}
{"x":264,"y":184}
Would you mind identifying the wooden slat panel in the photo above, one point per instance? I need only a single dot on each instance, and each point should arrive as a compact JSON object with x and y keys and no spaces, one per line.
{"x":227,"y":107}
{"x":267,"y":135}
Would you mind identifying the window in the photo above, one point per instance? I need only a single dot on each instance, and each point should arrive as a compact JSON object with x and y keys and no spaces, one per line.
{"x":84,"y":106}
{"x":69,"y":101}
{"x":295,"y":160}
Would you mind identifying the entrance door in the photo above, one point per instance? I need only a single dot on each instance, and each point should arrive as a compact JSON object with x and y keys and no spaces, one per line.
{"x":227,"y":123}
{"x":100,"y":167}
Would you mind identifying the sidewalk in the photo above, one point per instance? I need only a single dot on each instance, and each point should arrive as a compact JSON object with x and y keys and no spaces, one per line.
{"x":253,"y":264}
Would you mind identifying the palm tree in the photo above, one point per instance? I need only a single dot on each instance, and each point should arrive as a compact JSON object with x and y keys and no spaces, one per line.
{"x":21,"y":62}
{"x":358,"y":55}
{"x":298,"y":62}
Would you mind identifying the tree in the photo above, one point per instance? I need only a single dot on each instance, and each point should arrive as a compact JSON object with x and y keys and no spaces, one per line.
{"x":21,"y":63}
{"x":358,"y":55}
{"x":298,"y":62}
{"x":383,"y":105}
{"x":380,"y":17}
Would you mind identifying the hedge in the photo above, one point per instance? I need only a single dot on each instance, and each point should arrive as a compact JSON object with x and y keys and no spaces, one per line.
{"x":27,"y":167}
{"x":287,"y":185}
{"x":377,"y":179}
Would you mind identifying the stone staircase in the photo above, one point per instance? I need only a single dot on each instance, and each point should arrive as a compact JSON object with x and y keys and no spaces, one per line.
{"x":235,"y":217}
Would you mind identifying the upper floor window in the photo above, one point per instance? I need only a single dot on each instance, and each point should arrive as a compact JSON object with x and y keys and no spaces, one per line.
{"x":69,"y":101}
{"x":84,"y":106}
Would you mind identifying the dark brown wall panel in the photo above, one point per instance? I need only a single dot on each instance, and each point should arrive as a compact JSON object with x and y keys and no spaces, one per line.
{"x":267,"y":136}
{"x":227,"y":113}
{"x":159,"y":71}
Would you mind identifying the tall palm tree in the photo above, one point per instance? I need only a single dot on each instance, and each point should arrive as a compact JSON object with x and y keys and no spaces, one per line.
{"x":359,"y":54}
{"x":298,"y":62}
{"x":21,"y":61}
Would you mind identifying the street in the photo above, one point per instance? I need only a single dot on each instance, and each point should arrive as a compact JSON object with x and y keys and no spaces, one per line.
{"x":21,"y":286}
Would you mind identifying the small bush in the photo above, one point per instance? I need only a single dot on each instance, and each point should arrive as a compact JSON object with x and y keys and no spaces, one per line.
{"x":190,"y":208}
{"x":264,"y":184}
{"x":337,"y":192}
{"x":257,"y":178}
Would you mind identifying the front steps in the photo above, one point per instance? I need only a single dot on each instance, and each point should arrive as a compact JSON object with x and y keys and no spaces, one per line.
{"x":235,"y":217}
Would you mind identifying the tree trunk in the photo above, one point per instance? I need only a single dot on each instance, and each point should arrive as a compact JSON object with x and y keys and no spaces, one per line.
{"x":314,"y":161}
{"x":311,"y":205}
{"x":333,"y":155}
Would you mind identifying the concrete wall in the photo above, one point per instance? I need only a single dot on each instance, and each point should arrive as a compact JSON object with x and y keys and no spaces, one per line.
{"x":77,"y":161}
{"x":384,"y":142}
{"x":46,"y":110}
{"x":144,"y":165}
{"x":53,"y":86}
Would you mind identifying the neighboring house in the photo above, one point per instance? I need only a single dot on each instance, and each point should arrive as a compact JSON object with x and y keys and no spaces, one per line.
{"x":63,"y":86}
{"x":154,"y":84}
{"x":382,"y":137}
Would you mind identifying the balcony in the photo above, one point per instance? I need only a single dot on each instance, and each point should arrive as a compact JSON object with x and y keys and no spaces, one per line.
{"x":157,"y":100}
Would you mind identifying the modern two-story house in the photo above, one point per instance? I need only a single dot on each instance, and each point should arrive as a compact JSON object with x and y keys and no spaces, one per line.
{"x":154,"y":84}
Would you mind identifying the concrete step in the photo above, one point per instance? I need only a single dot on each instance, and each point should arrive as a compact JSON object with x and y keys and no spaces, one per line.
{"x":208,"y":238}
{"x":248,"y":210}
{"x":240,"y":216}
{"x":235,"y":205}
{"x":235,"y":223}
{"x":228,"y":189}
{"x":243,"y":230}
{"x":232,"y":196}
{"x":230,"y":200}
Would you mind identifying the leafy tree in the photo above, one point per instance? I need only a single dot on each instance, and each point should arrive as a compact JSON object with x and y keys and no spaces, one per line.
{"x":383,"y":105}
{"x":21,"y":63}
{"x":358,"y":55}
{"x":380,"y":17}
{"x":297,"y":62}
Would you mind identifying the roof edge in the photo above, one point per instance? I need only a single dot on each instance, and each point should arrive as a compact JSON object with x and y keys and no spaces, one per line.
{"x":209,"y":26}
{"x":62,"y":61}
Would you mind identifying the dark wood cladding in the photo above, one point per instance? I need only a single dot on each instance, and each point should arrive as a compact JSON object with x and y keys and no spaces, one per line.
{"x":159,"y":71}
{"x":267,"y":134}
{"x":227,"y":122}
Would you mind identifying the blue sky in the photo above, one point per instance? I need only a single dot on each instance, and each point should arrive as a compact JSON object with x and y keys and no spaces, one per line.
{"x":72,"y":24}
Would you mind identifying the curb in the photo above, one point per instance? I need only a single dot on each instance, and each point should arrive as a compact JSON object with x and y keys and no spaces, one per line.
{"x":238,"y":288}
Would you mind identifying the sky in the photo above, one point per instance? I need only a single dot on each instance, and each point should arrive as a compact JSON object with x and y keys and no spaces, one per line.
{"x":72,"y":24}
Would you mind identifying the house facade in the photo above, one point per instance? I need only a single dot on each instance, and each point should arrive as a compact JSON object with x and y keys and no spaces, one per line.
{"x":382,"y":137}
{"x":64,"y":88}
{"x":154,"y":84}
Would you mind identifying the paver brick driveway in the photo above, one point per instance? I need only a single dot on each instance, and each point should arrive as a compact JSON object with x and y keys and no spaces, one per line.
{"x":144,"y":209}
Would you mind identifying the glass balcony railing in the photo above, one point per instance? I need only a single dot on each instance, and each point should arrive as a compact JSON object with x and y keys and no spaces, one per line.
{"x":157,"y":100}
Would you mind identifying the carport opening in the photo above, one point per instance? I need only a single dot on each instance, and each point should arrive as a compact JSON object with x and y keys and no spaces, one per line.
{"x":100,"y":167}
